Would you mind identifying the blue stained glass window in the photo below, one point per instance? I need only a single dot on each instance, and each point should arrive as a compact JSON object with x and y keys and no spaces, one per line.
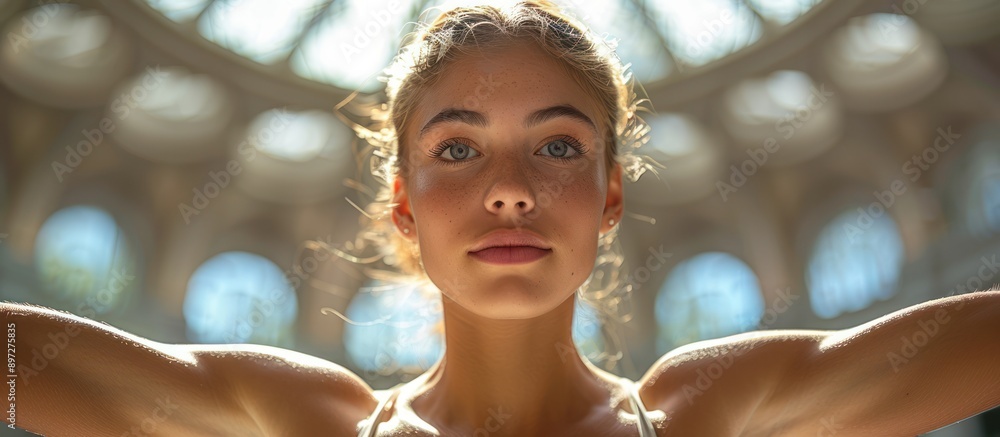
{"x":710,"y":295}
{"x":240,"y":297}
{"x":856,"y":260}
{"x":81,"y":255}
{"x":395,"y":328}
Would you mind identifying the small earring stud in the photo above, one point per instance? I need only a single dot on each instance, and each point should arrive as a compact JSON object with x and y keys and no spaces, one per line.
{"x":611,"y":222}
{"x":406,"y":230}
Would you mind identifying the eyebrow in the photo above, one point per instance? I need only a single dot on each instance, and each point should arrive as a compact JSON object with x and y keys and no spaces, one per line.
{"x":477,"y":119}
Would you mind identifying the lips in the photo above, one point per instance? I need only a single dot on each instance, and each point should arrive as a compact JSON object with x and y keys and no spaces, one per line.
{"x":509,"y":238}
{"x":510,"y":254}
{"x":509,"y":246}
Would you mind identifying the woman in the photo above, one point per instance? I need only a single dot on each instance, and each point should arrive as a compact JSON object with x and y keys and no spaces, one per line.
{"x":493,"y":110}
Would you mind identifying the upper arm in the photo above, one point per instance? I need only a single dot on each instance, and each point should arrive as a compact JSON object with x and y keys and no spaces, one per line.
{"x":290,"y":393}
{"x":76,"y":376}
{"x":80,"y":377}
{"x":723,"y":383}
{"x":910,"y":372}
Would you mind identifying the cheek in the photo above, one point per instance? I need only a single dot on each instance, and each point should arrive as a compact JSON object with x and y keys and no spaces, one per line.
{"x":439,"y":204}
{"x":440,"y":195}
{"x":584,"y":193}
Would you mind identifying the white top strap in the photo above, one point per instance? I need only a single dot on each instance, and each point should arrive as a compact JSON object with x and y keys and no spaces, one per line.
{"x":371,"y":424}
{"x":631,"y":389}
{"x":641,"y":415}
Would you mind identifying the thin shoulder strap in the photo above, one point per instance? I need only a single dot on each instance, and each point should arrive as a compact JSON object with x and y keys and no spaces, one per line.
{"x":371,"y":424}
{"x":641,"y":415}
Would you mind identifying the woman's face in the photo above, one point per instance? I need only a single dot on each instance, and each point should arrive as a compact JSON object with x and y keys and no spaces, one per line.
{"x":507,"y":141}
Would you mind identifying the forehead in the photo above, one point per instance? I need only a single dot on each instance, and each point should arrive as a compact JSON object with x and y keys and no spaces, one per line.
{"x":505,"y":84}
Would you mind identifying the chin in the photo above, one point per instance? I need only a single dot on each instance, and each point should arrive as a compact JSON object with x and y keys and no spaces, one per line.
{"x":512,"y":297}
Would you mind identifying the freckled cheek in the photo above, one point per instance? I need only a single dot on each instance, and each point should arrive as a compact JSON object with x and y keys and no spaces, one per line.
{"x":438,"y":202}
{"x":585,"y":197}
{"x":442,"y":186}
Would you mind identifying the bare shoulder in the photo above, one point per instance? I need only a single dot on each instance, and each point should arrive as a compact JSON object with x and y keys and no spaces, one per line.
{"x":243,"y":390}
{"x":286,"y":390}
{"x":695,"y":384}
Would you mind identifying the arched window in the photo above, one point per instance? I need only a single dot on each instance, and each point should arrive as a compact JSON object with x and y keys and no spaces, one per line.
{"x":883,"y":62}
{"x":395,"y":329}
{"x":855,"y":261}
{"x":782,"y":118}
{"x":81,"y":255}
{"x":63,"y":55}
{"x":304,"y":155}
{"x":240,"y":297}
{"x":177,"y":117}
{"x":710,"y":295}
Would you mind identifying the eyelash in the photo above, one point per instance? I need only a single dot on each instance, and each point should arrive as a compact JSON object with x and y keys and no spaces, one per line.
{"x":575,"y":144}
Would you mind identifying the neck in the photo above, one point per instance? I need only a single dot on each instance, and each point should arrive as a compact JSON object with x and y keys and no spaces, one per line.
{"x":514,"y":375}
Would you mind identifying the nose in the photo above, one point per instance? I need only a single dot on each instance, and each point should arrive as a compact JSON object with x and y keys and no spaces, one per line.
{"x":510,"y":206}
{"x":511,"y":195}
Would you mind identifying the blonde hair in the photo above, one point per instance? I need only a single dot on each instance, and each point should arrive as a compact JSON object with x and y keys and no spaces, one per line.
{"x":456,"y":32}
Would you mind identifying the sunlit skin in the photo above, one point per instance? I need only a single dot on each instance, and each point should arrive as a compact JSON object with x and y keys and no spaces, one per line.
{"x":504,"y":324}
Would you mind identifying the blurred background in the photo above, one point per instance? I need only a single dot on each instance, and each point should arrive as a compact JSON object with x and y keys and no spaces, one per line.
{"x":167,"y":166}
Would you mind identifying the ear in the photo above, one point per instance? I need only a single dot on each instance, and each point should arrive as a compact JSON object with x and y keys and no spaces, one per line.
{"x":614,"y":206}
{"x":402,"y":217}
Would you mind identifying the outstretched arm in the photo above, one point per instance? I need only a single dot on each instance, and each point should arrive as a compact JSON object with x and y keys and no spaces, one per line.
{"x":80,"y":377}
{"x":910,"y":372}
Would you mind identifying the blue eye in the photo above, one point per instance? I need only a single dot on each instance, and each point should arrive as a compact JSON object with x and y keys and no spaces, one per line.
{"x":560,"y":151}
{"x":454,"y":150}
{"x":562,"y":148}
{"x":458,"y":150}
